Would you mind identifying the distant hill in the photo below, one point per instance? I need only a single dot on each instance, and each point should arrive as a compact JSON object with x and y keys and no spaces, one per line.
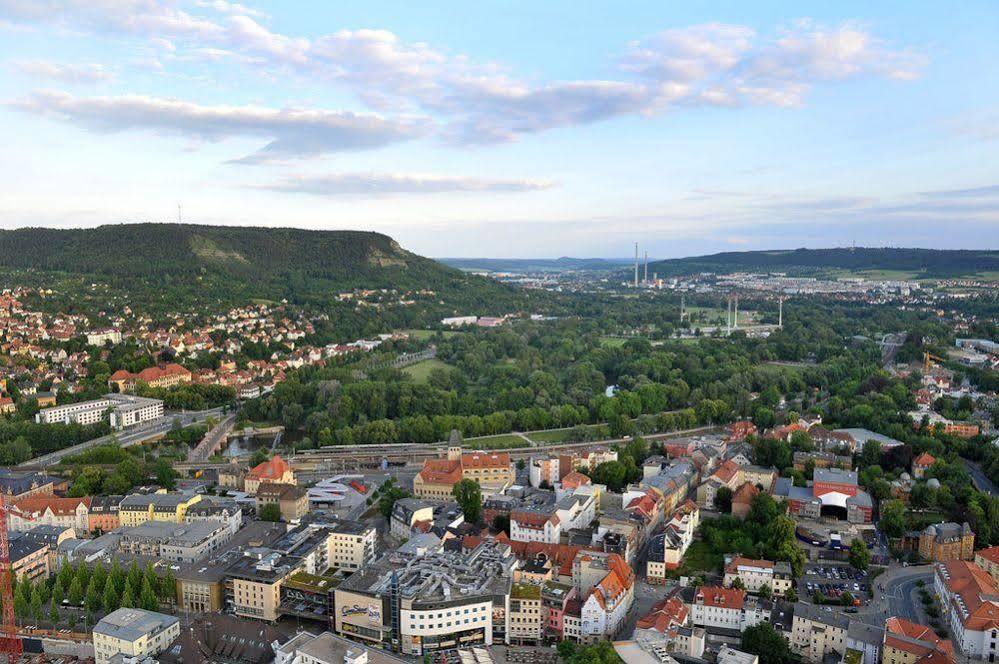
{"x":232,"y":263}
{"x":914,"y":263}
{"x":564,"y":264}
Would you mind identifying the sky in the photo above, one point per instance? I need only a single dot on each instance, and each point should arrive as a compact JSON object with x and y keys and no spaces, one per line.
{"x":510,"y":129}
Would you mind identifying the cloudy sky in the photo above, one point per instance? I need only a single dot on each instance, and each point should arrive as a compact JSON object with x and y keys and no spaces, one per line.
{"x":510,"y":128}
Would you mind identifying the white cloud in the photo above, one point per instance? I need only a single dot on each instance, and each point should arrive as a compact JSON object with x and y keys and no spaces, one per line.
{"x":377,"y":184}
{"x":291,"y":132}
{"x":712,"y":64}
{"x":64,"y":73}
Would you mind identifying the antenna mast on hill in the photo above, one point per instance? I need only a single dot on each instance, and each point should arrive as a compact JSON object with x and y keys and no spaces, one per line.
{"x":179,"y":219}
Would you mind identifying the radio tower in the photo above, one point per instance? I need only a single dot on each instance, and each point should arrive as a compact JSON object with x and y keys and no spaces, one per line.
{"x":636,"y":265}
{"x":10,"y":644}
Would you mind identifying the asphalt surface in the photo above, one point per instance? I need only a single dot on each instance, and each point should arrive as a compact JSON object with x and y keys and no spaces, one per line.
{"x":980,"y":480}
{"x":897,"y":594}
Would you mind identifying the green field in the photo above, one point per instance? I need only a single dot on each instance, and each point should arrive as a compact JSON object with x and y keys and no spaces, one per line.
{"x":503,"y":441}
{"x":426,"y":335}
{"x":613,"y":342}
{"x":560,"y":435}
{"x":420,"y":371}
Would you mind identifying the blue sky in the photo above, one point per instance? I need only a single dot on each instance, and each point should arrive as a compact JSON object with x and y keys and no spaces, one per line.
{"x":513,"y":128}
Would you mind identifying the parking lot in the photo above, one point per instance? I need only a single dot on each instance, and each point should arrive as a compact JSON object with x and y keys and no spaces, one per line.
{"x":832,"y":581}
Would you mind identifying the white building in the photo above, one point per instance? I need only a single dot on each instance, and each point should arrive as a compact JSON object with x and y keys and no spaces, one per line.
{"x":607,"y":585}
{"x":122,"y":410}
{"x":970,"y":600}
{"x":755,"y":574}
{"x":133,"y":633}
{"x":576,"y":511}
{"x":352,"y":545}
{"x":535,"y":526}
{"x":103,"y":336}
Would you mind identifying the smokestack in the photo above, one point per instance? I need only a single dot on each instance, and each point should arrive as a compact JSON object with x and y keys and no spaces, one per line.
{"x":636,"y":265}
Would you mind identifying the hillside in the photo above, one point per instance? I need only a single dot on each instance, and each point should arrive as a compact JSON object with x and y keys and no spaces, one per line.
{"x":908,"y":263}
{"x":231,"y":264}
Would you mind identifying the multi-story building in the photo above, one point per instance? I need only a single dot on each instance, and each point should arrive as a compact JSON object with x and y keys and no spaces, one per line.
{"x":221,"y":510}
{"x":274,"y":470}
{"x":988,"y":560}
{"x":292,"y":500}
{"x":544,"y":470}
{"x":970,"y":601}
{"x":103,"y":336}
{"x":133,"y":633}
{"x":51,"y":511}
{"x":418,"y":605}
{"x":406,"y":513}
{"x":51,"y":536}
{"x":606,"y":585}
{"x":535,"y":526}
{"x":138,"y":508}
{"x":123,"y":411}
{"x":178,"y":543}
{"x":755,"y":574}
{"x":167,"y":375}
{"x":526,"y":617}
{"x":908,"y":643}
{"x":866,"y":641}
{"x":327,"y":648}
{"x":717,"y":607}
{"x":103,"y":515}
{"x":352,"y":545}
{"x":947,"y":541}
{"x":816,"y":633}
{"x":29,"y":558}
{"x":491,"y":470}
{"x":17,"y":485}
{"x":666,"y":549}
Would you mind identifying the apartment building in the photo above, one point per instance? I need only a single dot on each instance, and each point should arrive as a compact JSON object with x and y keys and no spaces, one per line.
{"x":908,"y":643}
{"x":292,"y":500}
{"x":138,"y":508}
{"x":816,"y":632}
{"x":606,"y":585}
{"x":969,"y":597}
{"x":717,"y":607}
{"x":133,"y":633}
{"x":103,"y":515}
{"x":526,"y":618}
{"x":755,"y":574}
{"x":123,"y":411}
{"x":351,"y":545}
{"x":178,"y":543}
{"x":51,"y":511}
{"x":666,"y":549}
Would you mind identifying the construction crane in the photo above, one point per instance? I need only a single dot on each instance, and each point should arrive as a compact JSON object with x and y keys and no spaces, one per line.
{"x":10,"y":643}
{"x":928,"y":361}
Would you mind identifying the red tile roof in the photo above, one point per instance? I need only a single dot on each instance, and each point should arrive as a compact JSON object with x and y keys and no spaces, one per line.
{"x":574,"y":480}
{"x":924,"y":460}
{"x":667,"y":613}
{"x":910,"y":633}
{"x":485,"y":460}
{"x":441,"y":471}
{"x":722,"y":598}
{"x":273,"y":469}
{"x":59,"y":506}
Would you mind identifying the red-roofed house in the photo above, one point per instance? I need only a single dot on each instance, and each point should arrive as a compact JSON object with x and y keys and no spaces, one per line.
{"x":275,"y":470}
{"x":742,"y":499}
{"x":167,"y":375}
{"x":532,"y":526}
{"x":607,"y":585}
{"x":492,"y":470}
{"x":51,"y":511}
{"x":715,"y":606}
{"x":909,"y":643}
{"x":921,"y":464}
{"x":970,"y":599}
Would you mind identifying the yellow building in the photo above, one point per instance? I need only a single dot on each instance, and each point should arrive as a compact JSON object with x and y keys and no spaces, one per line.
{"x":988,"y":560}
{"x":160,"y":506}
{"x":133,"y":633}
{"x":947,"y":541}
{"x":526,"y":619}
{"x":491,"y":470}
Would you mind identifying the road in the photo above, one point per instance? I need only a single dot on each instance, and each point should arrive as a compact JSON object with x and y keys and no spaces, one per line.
{"x":897,"y":594}
{"x":128,"y":437}
{"x":978,"y":478}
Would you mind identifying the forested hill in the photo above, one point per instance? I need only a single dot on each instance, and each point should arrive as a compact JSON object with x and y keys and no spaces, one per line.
{"x":917,"y":262}
{"x":231,"y":263}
